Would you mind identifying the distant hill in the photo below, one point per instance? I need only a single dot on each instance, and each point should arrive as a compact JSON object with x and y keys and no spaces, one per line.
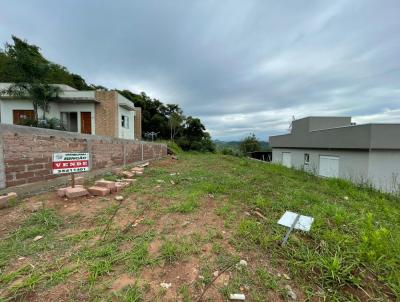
{"x":234,"y":145}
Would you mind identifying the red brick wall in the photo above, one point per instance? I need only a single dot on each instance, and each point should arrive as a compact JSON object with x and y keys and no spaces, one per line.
{"x":27,"y":152}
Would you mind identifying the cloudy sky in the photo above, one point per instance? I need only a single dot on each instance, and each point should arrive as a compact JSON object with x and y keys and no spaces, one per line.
{"x":241,"y":66}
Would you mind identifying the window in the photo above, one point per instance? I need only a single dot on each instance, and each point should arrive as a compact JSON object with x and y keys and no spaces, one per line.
{"x":125,"y":121}
{"x":306,"y":159}
{"x":21,"y":116}
{"x":69,"y":121}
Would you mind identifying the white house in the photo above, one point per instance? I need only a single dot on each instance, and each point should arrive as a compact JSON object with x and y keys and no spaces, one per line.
{"x":90,"y":112}
{"x":336,"y":147}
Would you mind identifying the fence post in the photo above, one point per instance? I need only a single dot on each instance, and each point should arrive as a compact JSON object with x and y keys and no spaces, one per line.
{"x":124,"y":150}
{"x":142,"y":149}
{"x":2,"y":167}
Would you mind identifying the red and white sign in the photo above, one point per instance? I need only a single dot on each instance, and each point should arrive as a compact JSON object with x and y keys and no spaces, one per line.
{"x":70,"y":163}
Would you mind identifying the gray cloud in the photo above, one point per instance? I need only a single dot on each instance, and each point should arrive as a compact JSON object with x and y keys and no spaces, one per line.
{"x":241,"y":66}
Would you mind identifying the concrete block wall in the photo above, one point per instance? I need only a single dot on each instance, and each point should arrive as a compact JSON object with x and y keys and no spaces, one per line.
{"x":26,"y":152}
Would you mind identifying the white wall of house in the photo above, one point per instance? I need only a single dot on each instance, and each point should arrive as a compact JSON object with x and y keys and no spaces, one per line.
{"x":126,"y":132}
{"x":7,"y":107}
{"x":353,"y":165}
{"x":379,"y":168}
{"x":384,"y":170}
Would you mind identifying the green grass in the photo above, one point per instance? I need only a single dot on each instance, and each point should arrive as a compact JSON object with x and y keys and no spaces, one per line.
{"x":186,"y":206}
{"x":138,"y":255}
{"x":132,"y":293}
{"x":352,"y":241}
{"x":178,"y":248}
{"x":350,"y":254}
{"x":20,"y":242}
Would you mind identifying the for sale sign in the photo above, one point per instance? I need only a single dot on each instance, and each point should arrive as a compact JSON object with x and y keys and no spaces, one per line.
{"x":70,"y":163}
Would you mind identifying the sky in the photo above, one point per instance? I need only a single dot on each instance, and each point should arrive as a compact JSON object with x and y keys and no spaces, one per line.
{"x":241,"y":66}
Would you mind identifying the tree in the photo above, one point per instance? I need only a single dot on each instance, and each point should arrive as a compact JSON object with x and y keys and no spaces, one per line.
{"x":194,"y":136}
{"x":175,"y":119}
{"x":30,"y":71}
{"x":249,"y":144}
{"x":53,"y":73}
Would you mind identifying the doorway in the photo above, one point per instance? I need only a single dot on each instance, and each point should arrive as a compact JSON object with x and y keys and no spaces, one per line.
{"x":86,"y":122}
{"x":287,"y":159}
{"x":329,"y":166}
{"x":69,"y":121}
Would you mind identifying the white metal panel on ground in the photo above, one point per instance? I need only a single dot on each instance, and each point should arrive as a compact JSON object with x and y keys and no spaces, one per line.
{"x":287,"y":159}
{"x":304,"y":223}
{"x":328,"y":166}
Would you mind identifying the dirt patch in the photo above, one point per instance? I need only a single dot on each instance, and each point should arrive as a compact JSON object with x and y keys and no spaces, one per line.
{"x":123,"y":281}
{"x":178,"y":274}
{"x":61,"y":292}
{"x":154,"y":247}
{"x":11,"y":218}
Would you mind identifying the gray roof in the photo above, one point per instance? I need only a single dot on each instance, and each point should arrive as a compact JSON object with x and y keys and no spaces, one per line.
{"x":338,"y":133}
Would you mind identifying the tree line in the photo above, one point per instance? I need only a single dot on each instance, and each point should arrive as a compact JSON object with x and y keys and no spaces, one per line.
{"x":32,"y":74}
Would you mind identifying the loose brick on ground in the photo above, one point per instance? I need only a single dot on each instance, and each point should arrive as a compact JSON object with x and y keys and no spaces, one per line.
{"x":117,"y":171}
{"x":105,"y":184}
{"x":5,"y":199}
{"x":99,"y":191}
{"x":128,"y":174}
{"x":78,"y":191}
{"x":118,"y":187}
{"x":129,"y":180}
{"x":61,"y":192}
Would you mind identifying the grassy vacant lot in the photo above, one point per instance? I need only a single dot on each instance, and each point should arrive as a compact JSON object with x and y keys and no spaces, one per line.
{"x":185,"y":222}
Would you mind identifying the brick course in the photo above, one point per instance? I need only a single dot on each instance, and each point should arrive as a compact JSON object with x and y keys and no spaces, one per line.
{"x":26,"y":152}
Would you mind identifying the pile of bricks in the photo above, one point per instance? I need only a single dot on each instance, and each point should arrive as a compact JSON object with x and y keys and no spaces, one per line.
{"x":102,"y":187}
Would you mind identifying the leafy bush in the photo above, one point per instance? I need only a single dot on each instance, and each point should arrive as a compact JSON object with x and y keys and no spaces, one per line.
{"x":377,"y":242}
{"x":52,"y":123}
{"x":174,"y":147}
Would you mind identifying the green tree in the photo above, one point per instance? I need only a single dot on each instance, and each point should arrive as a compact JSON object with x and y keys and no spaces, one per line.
{"x":53,"y":73}
{"x":175,"y":119}
{"x":29,"y":73}
{"x":249,"y":144}
{"x":194,"y":136}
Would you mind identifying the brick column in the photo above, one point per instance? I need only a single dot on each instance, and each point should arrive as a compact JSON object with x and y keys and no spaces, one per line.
{"x":138,"y":123}
{"x":2,"y":165}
